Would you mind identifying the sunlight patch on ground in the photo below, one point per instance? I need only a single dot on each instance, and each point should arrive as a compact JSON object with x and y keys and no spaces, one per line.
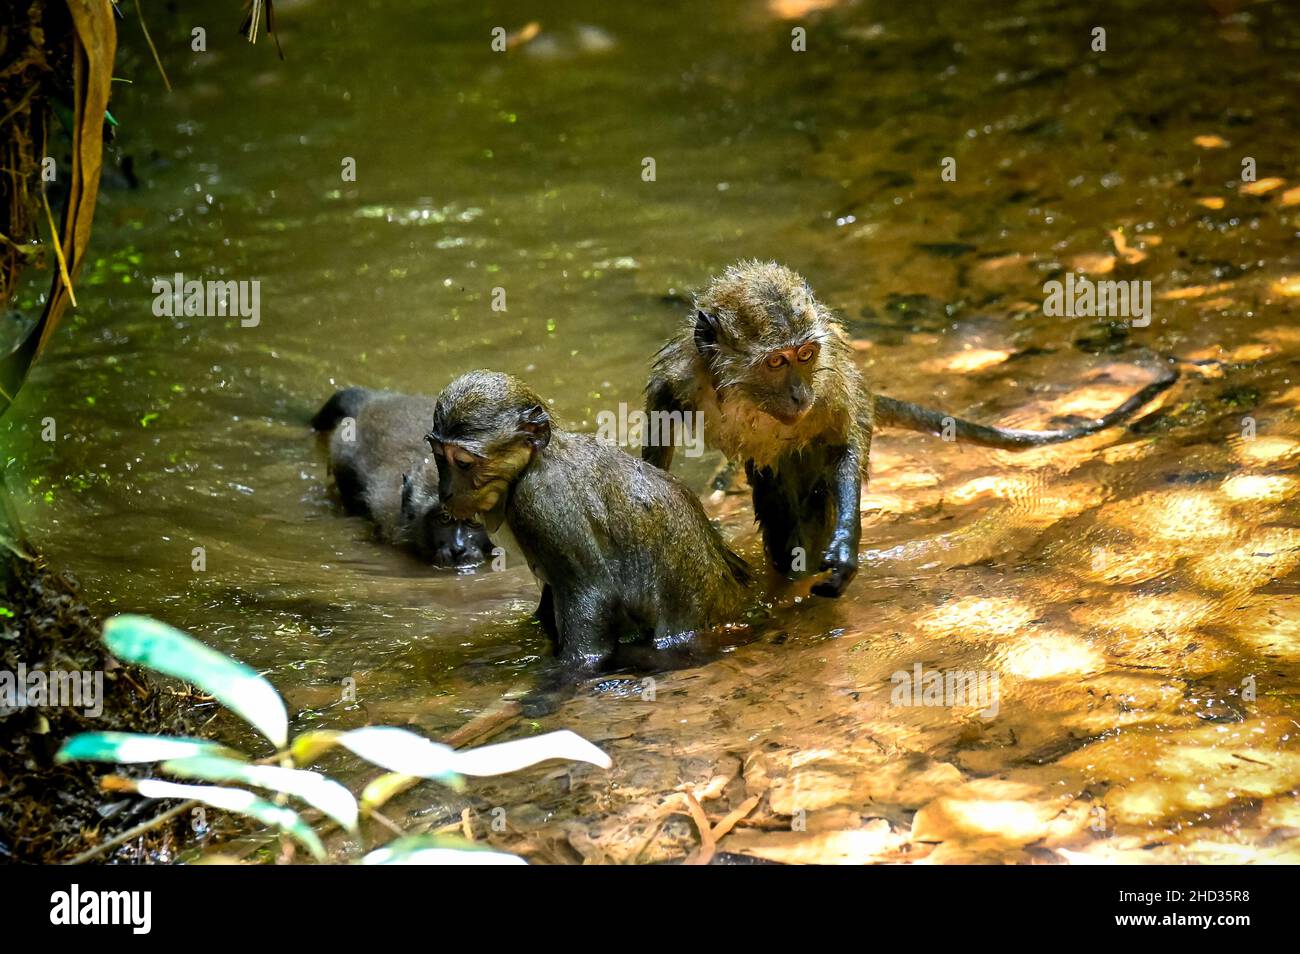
{"x":1123,"y":564}
{"x":1271,"y":553}
{"x":977,"y":618}
{"x":1175,"y":516}
{"x":1140,"y":615}
{"x":1193,"y":769}
{"x":1050,"y":656}
{"x":1265,"y":450}
{"x":1263,"y":487}
{"x":965,"y":362}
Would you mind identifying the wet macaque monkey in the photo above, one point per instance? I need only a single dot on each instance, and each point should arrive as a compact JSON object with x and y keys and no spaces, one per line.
{"x":624,"y":551}
{"x":772,"y":370}
{"x":383,"y":470}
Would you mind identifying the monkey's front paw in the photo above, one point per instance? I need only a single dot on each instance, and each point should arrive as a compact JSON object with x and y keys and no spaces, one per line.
{"x":837,"y":582}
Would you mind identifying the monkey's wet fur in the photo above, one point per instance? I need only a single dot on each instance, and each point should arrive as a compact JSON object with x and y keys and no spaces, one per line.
{"x":630,"y":566}
{"x":772,"y":371}
{"x":383,"y":470}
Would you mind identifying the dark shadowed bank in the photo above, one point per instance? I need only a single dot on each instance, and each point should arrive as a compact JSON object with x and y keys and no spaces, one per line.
{"x":52,"y":813}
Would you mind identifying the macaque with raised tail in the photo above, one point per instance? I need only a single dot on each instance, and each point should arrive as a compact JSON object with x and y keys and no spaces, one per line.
{"x":384,"y":471}
{"x":624,"y":552}
{"x":772,"y":371}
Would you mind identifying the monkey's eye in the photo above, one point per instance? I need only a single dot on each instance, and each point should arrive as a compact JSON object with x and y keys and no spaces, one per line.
{"x":775,"y":361}
{"x":443,"y":518}
{"x":462,"y":458}
{"x":806,"y":353}
{"x":475,"y":522}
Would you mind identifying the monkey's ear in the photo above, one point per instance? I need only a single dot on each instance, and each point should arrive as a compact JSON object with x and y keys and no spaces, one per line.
{"x":706,"y":332}
{"x":536,"y":423}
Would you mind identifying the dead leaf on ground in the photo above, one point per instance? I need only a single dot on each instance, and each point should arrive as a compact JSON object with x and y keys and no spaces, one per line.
{"x":1193,"y":291}
{"x":1126,"y":252}
{"x":1262,"y":187}
{"x":1091,"y":263}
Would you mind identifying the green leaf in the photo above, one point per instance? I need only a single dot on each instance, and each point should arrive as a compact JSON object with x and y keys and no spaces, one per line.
{"x":124,"y":747}
{"x":312,"y":787}
{"x":520,"y":753}
{"x":157,"y":646}
{"x":438,"y":850}
{"x":241,"y":802}
{"x":390,"y":748}
{"x":399,"y":750}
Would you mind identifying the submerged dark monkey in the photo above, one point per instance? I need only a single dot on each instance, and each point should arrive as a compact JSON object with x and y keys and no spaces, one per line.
{"x":772,"y":372}
{"x":623,"y":550}
{"x":383,"y":470}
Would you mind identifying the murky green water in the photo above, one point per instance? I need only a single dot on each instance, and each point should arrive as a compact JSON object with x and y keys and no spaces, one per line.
{"x":1134,"y":593}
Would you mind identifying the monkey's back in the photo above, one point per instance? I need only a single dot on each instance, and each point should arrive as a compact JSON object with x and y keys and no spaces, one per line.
{"x":616,"y":524}
{"x":388,"y":442}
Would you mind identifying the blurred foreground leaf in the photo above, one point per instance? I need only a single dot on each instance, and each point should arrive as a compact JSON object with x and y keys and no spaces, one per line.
{"x":241,"y":802}
{"x":125,"y":747}
{"x":312,"y":787}
{"x":438,"y":850}
{"x":157,"y":646}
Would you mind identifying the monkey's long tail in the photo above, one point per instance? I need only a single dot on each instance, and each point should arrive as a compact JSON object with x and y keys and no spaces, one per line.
{"x":345,"y":403}
{"x":890,"y":412}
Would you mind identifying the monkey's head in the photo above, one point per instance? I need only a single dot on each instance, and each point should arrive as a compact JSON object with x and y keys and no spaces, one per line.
{"x":437,"y":536}
{"x":445,"y":541}
{"x":762,"y":334}
{"x":487,"y":427}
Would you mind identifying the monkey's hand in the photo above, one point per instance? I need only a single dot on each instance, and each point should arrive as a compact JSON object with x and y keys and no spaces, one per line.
{"x":841,"y":562}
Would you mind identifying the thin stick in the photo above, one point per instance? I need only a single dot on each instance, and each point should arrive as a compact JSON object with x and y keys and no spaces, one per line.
{"x":133,"y":833}
{"x":148,"y":39}
{"x":21,"y":103}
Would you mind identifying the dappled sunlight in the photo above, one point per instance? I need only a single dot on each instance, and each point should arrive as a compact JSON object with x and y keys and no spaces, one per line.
{"x":1049,"y":656}
{"x":1194,"y":770}
{"x":1269,"y":627}
{"x":976,"y":618}
{"x":1001,"y":487}
{"x":1270,"y":553}
{"x":1264,"y":488}
{"x":1157,"y":617}
{"x":966,"y":362}
{"x":1266,"y":450}
{"x":1185,"y":517}
{"x":985,"y":818}
{"x":1120,"y":563}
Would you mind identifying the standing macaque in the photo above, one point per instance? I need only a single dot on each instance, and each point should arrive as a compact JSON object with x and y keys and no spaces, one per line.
{"x":383,"y":471}
{"x":624,"y":552}
{"x":772,"y":371}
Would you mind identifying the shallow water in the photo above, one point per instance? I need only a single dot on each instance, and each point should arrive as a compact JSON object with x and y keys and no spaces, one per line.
{"x":1133,"y":593}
